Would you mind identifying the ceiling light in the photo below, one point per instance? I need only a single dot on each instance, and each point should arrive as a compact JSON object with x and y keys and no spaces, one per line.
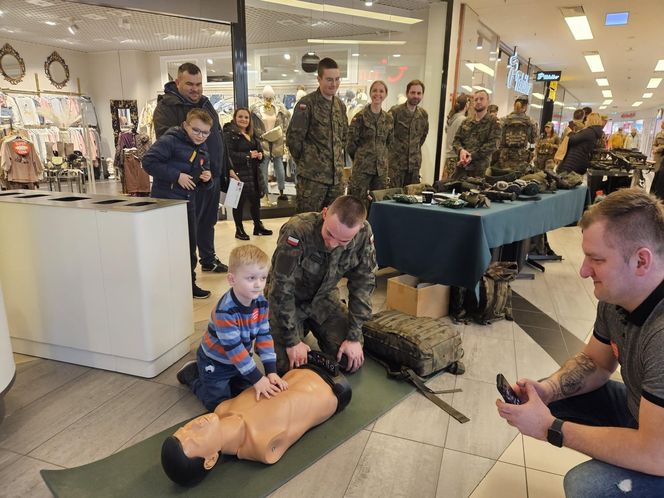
{"x":355,"y":55}
{"x":355,"y":42}
{"x":602,"y":107}
{"x":123,"y":23}
{"x":478,"y":87}
{"x":570,"y":108}
{"x":538,"y":95}
{"x":2,"y":12}
{"x":577,"y":21}
{"x":647,"y":95}
{"x":660,"y":65}
{"x":50,"y":23}
{"x":287,"y":57}
{"x":368,"y":3}
{"x":396,"y":55}
{"x":336,"y":9}
{"x":558,"y":103}
{"x":602,"y":82}
{"x":616,"y":19}
{"x":284,"y":75}
{"x":535,"y":106}
{"x":467,"y":88}
{"x":607,"y":102}
{"x":210,"y":61}
{"x":637,"y":103}
{"x":480,"y":67}
{"x":594,"y":62}
{"x":73,"y":28}
{"x":654,"y":82}
{"x":480,"y":43}
{"x":607,"y":94}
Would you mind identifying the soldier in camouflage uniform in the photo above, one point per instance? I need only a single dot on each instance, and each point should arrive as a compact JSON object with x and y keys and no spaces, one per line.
{"x":518,"y":131}
{"x":369,"y":137}
{"x":314,"y":252}
{"x":316,"y":138}
{"x":546,"y":148}
{"x":658,"y":148}
{"x":476,"y":140}
{"x":411,"y":126}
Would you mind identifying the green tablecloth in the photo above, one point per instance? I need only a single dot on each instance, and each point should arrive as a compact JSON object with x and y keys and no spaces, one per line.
{"x":453,"y":247}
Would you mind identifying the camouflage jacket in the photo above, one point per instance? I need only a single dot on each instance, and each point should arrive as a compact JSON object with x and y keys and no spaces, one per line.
{"x":518,"y":130}
{"x":316,"y":138}
{"x":480,"y":138}
{"x":410,"y":132}
{"x":303,"y":279}
{"x":658,"y":148}
{"x":368,"y":140}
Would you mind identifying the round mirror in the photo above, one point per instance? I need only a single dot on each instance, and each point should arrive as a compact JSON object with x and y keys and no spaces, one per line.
{"x":57,"y":70}
{"x":11,"y":64}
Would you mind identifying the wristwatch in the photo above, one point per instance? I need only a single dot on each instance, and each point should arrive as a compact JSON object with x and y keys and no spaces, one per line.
{"x":555,"y":434}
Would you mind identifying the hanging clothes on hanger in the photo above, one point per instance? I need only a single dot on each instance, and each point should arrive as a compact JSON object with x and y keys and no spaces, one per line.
{"x":128,"y":156}
{"x":20,"y":165}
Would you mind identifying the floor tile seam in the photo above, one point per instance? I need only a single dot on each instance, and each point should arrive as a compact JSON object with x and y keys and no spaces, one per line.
{"x":409,"y":439}
{"x":546,"y":471}
{"x":149,"y":423}
{"x":357,"y":462}
{"x":39,"y":460}
{"x":489,"y":471}
{"x":80,"y":418}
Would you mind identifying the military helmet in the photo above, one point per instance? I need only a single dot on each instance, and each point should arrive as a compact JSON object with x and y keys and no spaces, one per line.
{"x":521,"y":98}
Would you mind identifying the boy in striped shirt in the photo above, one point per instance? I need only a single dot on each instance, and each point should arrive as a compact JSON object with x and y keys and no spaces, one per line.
{"x":224,"y":366}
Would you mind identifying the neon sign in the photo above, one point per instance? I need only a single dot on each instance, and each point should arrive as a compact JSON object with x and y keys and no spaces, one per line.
{"x":517,"y":79}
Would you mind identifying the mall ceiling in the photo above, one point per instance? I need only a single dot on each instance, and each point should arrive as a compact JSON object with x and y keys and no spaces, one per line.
{"x":629,"y":53}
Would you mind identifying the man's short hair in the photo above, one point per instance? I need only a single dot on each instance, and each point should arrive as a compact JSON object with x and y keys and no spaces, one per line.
{"x":199,"y":114}
{"x":188,"y":67}
{"x":349,"y":209}
{"x":484,"y":92}
{"x":326,"y":63}
{"x":633,"y":218}
{"x":180,"y":468}
{"x":578,"y":114}
{"x":247,"y":255}
{"x":414,"y":83}
{"x":492,"y":107}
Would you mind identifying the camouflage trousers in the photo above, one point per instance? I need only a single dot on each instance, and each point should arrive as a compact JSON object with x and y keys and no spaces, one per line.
{"x":329,"y":334}
{"x":361,"y":183}
{"x":544,"y":162}
{"x":313,"y":196}
{"x":401,"y":178}
{"x":515,"y":159}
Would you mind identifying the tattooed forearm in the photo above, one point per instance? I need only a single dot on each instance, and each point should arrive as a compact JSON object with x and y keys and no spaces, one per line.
{"x":574,"y":373}
{"x":554,"y":389}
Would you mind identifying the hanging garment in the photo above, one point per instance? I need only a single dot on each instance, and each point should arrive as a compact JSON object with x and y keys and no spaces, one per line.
{"x":136,"y":180}
{"x":19,"y":161}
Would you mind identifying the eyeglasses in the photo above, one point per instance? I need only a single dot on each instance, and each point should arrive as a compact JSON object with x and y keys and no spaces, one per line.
{"x":197,"y":131}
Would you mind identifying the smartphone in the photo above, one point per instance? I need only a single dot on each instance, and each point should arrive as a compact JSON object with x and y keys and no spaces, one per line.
{"x":506,"y":390}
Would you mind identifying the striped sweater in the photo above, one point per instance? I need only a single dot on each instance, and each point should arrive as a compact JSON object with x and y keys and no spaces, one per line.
{"x":233,"y":328}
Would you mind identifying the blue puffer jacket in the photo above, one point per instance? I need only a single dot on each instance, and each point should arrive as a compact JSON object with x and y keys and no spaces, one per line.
{"x":174,"y":153}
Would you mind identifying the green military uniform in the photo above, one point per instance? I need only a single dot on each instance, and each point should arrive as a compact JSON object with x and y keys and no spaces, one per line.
{"x":658,"y":150}
{"x":544,"y":151}
{"x":480,"y":138}
{"x":302,"y":286}
{"x":369,"y":137}
{"x":405,"y":151}
{"x":316,"y":138}
{"x":518,"y":130}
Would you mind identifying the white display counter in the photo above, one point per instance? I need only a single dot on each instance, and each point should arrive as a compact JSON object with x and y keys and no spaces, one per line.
{"x":7,"y":365}
{"x":97,"y":280}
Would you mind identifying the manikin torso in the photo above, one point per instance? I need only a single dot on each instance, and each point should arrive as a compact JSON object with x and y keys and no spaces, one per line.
{"x":268,"y":114}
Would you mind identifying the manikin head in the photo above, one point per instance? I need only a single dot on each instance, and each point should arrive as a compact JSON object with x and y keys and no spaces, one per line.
{"x":623,"y":243}
{"x":248,"y":267}
{"x":414,"y":92}
{"x":268,"y":92}
{"x":342,"y":221}
{"x":198,"y":125}
{"x":329,"y":77}
{"x":190,"y":82}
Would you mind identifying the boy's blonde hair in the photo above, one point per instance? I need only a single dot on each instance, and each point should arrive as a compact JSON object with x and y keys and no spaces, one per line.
{"x":247,"y":255}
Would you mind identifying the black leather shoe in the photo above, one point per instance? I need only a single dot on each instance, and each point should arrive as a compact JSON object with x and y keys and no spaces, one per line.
{"x":241,"y":234}
{"x":259,"y":229}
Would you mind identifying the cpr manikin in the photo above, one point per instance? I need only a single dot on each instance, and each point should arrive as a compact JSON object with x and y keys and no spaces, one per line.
{"x":261,"y":430}
{"x":270,"y":120}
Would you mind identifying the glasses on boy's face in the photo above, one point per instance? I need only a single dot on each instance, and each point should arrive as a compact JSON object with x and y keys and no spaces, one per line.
{"x":199,"y":132}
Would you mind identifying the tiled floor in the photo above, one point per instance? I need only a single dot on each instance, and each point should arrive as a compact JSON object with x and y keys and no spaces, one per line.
{"x":61,"y":415}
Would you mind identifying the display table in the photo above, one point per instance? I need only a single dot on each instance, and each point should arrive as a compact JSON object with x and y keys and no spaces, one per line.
{"x":453,"y":246}
{"x":97,"y":280}
{"x":7,"y":365}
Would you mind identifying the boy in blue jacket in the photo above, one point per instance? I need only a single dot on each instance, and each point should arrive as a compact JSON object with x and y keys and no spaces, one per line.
{"x":179,"y":165}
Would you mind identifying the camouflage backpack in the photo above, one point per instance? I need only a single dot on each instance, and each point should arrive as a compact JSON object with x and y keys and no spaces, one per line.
{"x":495,"y":302}
{"x":516,"y":133}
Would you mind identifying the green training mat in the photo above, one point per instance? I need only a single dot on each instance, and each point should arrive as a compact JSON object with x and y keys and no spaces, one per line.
{"x":137,"y":472}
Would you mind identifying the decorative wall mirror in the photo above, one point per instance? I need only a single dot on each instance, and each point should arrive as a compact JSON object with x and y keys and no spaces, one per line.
{"x":11,"y":64}
{"x":56,"y":70}
{"x":124,"y":116}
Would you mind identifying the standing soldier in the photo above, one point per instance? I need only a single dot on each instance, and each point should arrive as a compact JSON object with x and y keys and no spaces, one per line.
{"x":518,"y":132}
{"x":477,"y":139}
{"x":369,"y":136}
{"x":316,"y":138}
{"x":411,"y":126}
{"x":658,"y":148}
{"x":546,"y":148}
{"x":314,"y":252}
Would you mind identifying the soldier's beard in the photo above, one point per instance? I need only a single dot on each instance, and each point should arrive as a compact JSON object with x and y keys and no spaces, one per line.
{"x":480,"y":109}
{"x":414,"y":102}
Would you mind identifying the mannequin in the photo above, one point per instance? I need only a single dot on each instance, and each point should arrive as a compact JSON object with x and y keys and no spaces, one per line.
{"x":261,"y":430}
{"x":301,"y":92}
{"x":270,"y":122}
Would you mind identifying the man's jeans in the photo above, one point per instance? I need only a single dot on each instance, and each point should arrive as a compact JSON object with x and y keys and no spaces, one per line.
{"x":279,"y":171}
{"x":605,"y":407}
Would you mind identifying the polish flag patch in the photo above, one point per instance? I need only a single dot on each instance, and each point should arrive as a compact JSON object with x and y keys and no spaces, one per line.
{"x":292,"y":241}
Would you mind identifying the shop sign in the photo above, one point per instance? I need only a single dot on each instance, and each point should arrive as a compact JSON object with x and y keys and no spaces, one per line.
{"x":548,"y":76}
{"x":628,"y":115}
{"x":517,"y":79}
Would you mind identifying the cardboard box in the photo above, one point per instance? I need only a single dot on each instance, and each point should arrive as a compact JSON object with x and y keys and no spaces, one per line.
{"x":407,"y":294}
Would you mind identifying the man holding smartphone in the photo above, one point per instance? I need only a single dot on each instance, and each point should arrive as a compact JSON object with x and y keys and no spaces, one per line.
{"x":618,"y":425}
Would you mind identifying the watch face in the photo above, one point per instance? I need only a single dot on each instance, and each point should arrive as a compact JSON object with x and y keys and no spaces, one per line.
{"x":555,"y":437}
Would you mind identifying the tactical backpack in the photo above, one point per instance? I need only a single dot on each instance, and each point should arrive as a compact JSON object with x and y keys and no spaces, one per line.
{"x":516,"y":134}
{"x":413,"y":347}
{"x":495,"y":302}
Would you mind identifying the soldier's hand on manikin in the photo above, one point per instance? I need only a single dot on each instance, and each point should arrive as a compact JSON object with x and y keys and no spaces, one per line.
{"x":297,"y":355}
{"x":353,"y":350}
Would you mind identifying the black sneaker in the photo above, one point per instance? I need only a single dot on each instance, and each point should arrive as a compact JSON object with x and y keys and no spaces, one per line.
{"x":216,"y":267}
{"x":199,"y":293}
{"x":188,"y":373}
